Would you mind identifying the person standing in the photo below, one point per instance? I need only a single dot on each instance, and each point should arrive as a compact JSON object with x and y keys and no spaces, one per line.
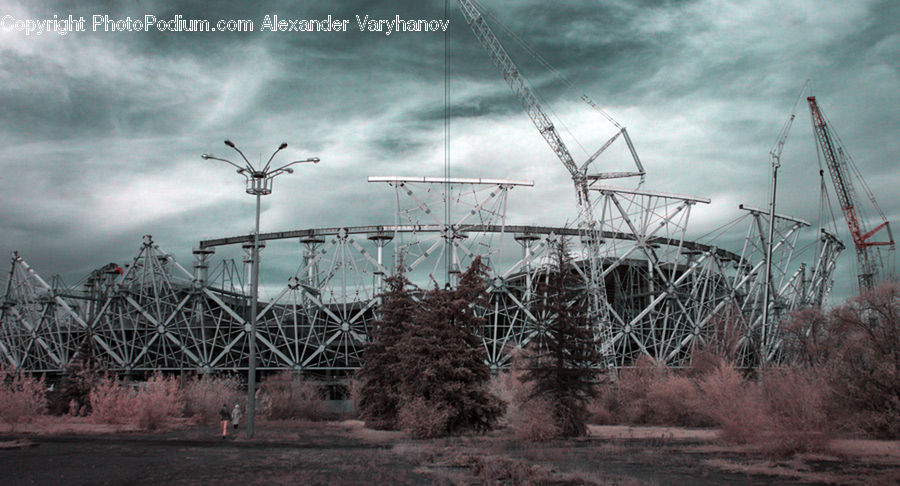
{"x":223,"y":416}
{"x":236,"y":415}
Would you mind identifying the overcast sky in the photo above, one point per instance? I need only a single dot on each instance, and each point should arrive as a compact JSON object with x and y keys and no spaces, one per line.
{"x":101,"y":133}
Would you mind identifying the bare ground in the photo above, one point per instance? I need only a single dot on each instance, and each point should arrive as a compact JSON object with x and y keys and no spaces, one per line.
{"x":57,"y":451}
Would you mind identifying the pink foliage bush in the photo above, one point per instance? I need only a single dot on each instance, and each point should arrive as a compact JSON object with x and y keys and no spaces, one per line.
{"x":650,"y":393}
{"x":533,"y":420}
{"x":736,"y":406}
{"x":159,"y":399}
{"x":673,"y":400}
{"x":285,"y":396}
{"x":113,"y":402}
{"x":204,"y":395}
{"x":781,"y":414}
{"x":493,"y":469}
{"x":796,"y":406}
{"x":865,"y":359}
{"x":604,"y":409}
{"x":529,"y":418}
{"x":634,"y":384}
{"x":509,"y":387}
{"x":22,"y":397}
{"x":148,"y":405}
{"x":423,"y":420}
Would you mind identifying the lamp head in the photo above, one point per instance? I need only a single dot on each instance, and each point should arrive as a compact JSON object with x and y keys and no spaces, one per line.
{"x":205,"y":156}
{"x":282,"y":146}
{"x":314,"y":160}
{"x":229,"y":143}
{"x":289,"y":170}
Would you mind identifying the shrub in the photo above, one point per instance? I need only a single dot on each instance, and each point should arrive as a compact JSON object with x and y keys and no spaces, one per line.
{"x":529,"y":417}
{"x":865,"y":344}
{"x":721,"y":343}
{"x":21,"y":397}
{"x":795,"y":402}
{"x":634,"y":385}
{"x":204,"y":395}
{"x":510,"y":387}
{"x":735,"y":405}
{"x":113,"y":402}
{"x":423,"y":420}
{"x":533,"y":420}
{"x":806,"y":338}
{"x":149,"y":405}
{"x":285,"y":396}
{"x":604,"y":408}
{"x":493,"y":469}
{"x":354,"y":392}
{"x":673,"y":400}
{"x":650,"y":393}
{"x":158,"y":399}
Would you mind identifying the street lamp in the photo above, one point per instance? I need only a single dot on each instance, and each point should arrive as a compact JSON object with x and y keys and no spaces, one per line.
{"x":259,"y":183}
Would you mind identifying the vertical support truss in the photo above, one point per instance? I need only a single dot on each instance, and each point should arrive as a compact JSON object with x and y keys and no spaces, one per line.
{"x":790,"y":285}
{"x":38,"y":329}
{"x":657,"y":292}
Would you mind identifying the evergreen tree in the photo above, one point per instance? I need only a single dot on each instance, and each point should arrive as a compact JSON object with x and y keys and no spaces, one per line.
{"x":82,"y":373}
{"x":442,"y":367}
{"x":379,"y":388}
{"x":562,"y":368}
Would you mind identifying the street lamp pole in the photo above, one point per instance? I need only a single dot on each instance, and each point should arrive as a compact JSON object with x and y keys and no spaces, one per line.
{"x":259,"y":183}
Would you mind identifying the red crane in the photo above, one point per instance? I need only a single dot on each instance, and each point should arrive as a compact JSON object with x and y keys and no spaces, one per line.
{"x":871,"y":267}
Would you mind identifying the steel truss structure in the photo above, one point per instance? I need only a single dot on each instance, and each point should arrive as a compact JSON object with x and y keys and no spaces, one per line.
{"x":664,"y":293}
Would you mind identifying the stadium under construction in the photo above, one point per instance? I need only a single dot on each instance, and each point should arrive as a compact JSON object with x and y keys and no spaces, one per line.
{"x":663,"y":294}
{"x":653,"y":291}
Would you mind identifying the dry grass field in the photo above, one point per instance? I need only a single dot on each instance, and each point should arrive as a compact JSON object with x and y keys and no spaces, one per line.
{"x":74,"y":451}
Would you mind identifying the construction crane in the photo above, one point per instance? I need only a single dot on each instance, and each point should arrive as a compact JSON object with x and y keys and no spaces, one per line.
{"x":775,"y":157}
{"x":532,"y":105}
{"x":596,"y":286}
{"x":871,"y":268}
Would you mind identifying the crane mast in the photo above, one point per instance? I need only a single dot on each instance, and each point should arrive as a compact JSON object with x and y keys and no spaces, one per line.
{"x":769,"y":288}
{"x":871,"y":268}
{"x":591,"y":232}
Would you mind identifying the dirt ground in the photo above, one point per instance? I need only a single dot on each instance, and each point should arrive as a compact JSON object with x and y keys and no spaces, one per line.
{"x":347,"y":453}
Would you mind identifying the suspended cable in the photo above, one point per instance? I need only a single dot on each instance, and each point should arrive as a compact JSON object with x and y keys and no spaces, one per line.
{"x":562,"y":77}
{"x":447,"y":188}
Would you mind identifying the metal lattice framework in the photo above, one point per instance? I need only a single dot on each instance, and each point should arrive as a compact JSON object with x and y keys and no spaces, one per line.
{"x":665,"y":294}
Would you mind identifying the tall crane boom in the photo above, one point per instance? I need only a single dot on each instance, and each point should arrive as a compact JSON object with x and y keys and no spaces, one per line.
{"x":510,"y":72}
{"x":532,"y":105}
{"x":871,"y":268}
{"x":596,"y":286}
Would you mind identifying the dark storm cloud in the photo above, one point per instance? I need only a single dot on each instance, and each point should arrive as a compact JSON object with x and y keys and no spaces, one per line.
{"x":101,"y":132}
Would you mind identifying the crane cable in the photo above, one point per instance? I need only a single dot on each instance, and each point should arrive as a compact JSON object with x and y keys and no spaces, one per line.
{"x":543,"y":62}
{"x":448,"y":256}
{"x":562,"y":77}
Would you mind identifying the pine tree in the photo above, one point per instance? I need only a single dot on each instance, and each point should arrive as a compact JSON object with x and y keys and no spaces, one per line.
{"x":442,"y":367}
{"x":82,"y":373}
{"x":379,"y":389}
{"x":561,"y":369}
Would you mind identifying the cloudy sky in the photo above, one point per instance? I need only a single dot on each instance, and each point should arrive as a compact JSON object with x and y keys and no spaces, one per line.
{"x":101,"y":132}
